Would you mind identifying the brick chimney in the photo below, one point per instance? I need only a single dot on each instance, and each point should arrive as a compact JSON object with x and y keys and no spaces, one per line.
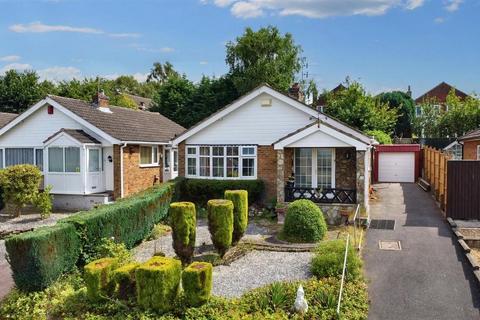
{"x":101,"y":100}
{"x":295,"y":92}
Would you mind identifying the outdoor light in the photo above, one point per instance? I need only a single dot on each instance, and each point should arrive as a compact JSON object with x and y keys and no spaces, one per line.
{"x":110,"y":159}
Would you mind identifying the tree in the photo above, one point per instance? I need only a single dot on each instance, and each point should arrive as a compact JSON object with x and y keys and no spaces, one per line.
{"x":312,"y":93}
{"x":263,"y":56}
{"x":461,"y":117}
{"x":359,"y":109}
{"x":123,"y":100}
{"x":162,"y":72}
{"x":19,"y":91}
{"x":426,"y":125}
{"x":405,"y":107}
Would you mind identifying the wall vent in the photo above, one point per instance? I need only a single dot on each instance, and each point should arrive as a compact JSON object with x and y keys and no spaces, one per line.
{"x":266,"y":102}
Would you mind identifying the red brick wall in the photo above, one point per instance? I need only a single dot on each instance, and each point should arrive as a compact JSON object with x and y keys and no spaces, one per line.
{"x":267,"y":170}
{"x":181,"y":159}
{"x":135,"y":178}
{"x":470,"y":150}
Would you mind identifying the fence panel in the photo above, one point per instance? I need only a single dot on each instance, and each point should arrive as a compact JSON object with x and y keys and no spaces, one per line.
{"x":463,"y":186}
{"x":435,"y":172}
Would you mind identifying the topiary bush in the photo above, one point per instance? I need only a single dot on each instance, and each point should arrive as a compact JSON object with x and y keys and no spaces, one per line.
{"x":98,"y":278}
{"x":158,"y":282}
{"x":197,"y":283}
{"x":37,"y":258}
{"x":184,"y":223}
{"x":124,"y":279}
{"x":20,"y":185}
{"x":220,"y":224}
{"x":240,"y":212}
{"x":304,"y":222}
{"x":129,"y":220}
{"x":199,"y":191}
{"x":329,"y":257}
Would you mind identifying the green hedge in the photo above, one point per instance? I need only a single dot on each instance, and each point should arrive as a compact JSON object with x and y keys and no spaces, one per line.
{"x":37,"y":258}
{"x":304,"y":222}
{"x":329,"y":257}
{"x":128,"y":220}
{"x":240,"y":212}
{"x":197,"y":283}
{"x":99,"y":278}
{"x":199,"y":191}
{"x":184,"y":225}
{"x":220,"y":224}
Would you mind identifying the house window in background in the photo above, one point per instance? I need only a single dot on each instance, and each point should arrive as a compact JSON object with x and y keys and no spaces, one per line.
{"x":148,"y":155}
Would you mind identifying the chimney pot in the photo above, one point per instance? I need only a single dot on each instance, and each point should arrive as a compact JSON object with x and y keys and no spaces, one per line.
{"x":101,"y":99}
{"x":295,"y":92}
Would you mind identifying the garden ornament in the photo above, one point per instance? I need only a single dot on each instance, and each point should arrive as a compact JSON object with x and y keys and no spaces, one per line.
{"x":301,"y":305}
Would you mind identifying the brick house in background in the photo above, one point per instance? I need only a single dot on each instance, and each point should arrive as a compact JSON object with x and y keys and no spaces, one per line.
{"x":471,"y":145}
{"x":297,"y":151}
{"x":90,"y":152}
{"x":437,"y":95}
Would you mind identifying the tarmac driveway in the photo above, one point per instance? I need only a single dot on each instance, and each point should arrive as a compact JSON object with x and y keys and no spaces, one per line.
{"x":429,"y":278}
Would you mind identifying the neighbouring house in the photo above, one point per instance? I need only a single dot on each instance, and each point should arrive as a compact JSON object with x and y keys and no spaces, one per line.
{"x":455,"y":150}
{"x":297,"y":151}
{"x":90,"y":153}
{"x":437,"y":95}
{"x":142,"y":102}
{"x":471,"y":145}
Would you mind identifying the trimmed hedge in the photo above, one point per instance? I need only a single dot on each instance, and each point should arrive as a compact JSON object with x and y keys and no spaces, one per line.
{"x":199,"y":191}
{"x":240,"y":212}
{"x":220,"y":224}
{"x":197,"y":283}
{"x":304,"y":222}
{"x":124,"y":278}
{"x":129,"y":220}
{"x":158,"y":283}
{"x":37,"y":258}
{"x":99,"y":278}
{"x":184,"y":224}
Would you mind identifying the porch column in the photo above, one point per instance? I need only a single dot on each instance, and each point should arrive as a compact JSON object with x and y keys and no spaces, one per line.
{"x":280,"y":176}
{"x":360,"y":177}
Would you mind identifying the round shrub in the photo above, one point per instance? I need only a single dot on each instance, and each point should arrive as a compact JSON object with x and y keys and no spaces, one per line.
{"x":220,"y":224}
{"x":329,"y":257}
{"x":158,"y":282}
{"x":240,"y":212}
{"x":197,"y":283}
{"x":304,"y":222}
{"x":183,"y":219}
{"x":98,"y":278}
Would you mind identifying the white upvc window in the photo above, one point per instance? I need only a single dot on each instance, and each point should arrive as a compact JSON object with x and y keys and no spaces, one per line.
{"x":148,"y":156}
{"x":27,"y":155}
{"x":221,"y":161}
{"x":478,"y":152}
{"x":314,"y":168}
{"x":64,"y":159}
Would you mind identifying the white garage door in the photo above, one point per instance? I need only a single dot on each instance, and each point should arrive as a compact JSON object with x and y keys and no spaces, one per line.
{"x":396,"y":167}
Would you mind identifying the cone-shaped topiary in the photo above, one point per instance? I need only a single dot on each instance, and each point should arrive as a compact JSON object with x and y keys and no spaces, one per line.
{"x":240,"y":212}
{"x":220,"y":224}
{"x":157,"y":282}
{"x":184,"y":223}
{"x":197,"y":283}
{"x":98,"y":278}
{"x":124,"y":278}
{"x":304,"y":222}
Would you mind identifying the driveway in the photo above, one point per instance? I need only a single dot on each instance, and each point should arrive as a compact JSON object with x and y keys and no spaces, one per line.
{"x":430,"y":277}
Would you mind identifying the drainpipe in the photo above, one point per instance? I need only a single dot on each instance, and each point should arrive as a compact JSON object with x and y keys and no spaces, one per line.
{"x":121,"y":168}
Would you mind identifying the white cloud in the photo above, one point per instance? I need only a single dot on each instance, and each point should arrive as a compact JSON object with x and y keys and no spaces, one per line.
{"x":140,"y":77}
{"x":314,"y":9}
{"x":15,"y":66}
{"x":144,"y":48}
{"x":453,"y":5}
{"x":11,"y":58}
{"x":439,"y":20}
{"x":38,"y":27}
{"x":203,"y":63}
{"x":59,"y":73}
{"x":414,"y":4}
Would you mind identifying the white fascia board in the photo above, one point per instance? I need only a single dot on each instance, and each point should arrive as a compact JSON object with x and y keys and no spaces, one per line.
{"x":147,"y":143}
{"x":64,"y":110}
{"x":332,"y":132}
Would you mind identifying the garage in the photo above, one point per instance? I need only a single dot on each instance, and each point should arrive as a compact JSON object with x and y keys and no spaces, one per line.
{"x":396,"y":163}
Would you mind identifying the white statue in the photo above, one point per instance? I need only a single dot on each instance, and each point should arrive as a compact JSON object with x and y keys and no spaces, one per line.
{"x":301,"y":305}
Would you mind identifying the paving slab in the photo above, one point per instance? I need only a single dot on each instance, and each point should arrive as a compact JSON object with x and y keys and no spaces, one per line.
{"x":430,"y":277}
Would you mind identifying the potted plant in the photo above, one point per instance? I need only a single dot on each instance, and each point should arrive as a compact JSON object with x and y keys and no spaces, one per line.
{"x":281,"y":210}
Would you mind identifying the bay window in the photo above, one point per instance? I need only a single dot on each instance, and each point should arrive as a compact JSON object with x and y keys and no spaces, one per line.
{"x":315,"y":168}
{"x":148,"y":155}
{"x":221,"y":162}
{"x":64,"y":159}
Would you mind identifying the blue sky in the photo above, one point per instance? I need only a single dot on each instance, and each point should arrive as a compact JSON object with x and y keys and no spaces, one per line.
{"x":385,"y":44}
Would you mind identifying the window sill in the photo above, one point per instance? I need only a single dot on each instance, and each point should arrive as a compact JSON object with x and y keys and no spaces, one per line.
{"x":149,"y":165}
{"x":220,"y":178}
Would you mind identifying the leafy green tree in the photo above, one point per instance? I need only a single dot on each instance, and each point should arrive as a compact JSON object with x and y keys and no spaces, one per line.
{"x":162,"y":72}
{"x":461,"y":117}
{"x":123,"y":100}
{"x":405,"y":107}
{"x":359,"y":109}
{"x":427,"y":124}
{"x":19,"y":91}
{"x":263,"y":56}
{"x":380,"y":136}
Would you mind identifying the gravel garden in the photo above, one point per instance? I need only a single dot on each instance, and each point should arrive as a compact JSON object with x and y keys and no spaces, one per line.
{"x":146,"y":257}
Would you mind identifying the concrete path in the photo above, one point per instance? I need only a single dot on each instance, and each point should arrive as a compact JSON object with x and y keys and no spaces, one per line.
{"x":430,"y":277}
{"x":6,"y":281}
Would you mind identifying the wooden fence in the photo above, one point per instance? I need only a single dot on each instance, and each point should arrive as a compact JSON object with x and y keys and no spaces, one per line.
{"x":464,"y":190}
{"x":435,"y":172}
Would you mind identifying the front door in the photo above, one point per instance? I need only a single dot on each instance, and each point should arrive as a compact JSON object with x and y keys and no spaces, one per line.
{"x":94,"y":171}
{"x":170,"y":164}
